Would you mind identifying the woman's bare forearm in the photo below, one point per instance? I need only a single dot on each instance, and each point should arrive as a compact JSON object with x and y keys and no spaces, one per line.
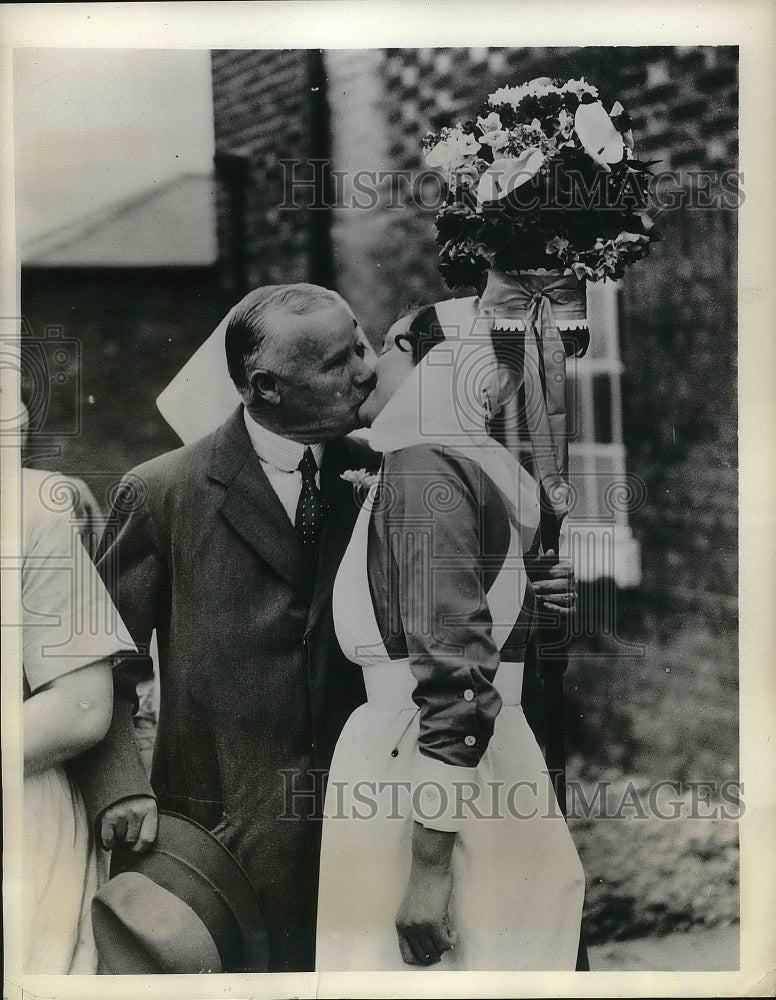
{"x":431,"y":849}
{"x":423,"y":921}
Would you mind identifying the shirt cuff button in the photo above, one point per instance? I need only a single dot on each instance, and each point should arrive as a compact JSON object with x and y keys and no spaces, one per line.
{"x":469,"y":741}
{"x":468,"y":695}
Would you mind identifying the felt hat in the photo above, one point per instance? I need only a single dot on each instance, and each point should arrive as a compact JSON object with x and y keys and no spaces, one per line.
{"x":184,"y":906}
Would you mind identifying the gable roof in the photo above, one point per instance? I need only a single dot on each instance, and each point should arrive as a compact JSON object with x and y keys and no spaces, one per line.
{"x":171,"y":225}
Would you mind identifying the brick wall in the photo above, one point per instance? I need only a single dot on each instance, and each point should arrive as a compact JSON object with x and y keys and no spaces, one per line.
{"x":678,"y":323}
{"x":679,"y":335}
{"x":263,"y":113}
{"x":679,"y":395}
{"x":678,"y":307}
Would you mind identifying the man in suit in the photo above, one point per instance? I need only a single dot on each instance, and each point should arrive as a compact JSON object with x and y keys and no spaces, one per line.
{"x":228,"y":549}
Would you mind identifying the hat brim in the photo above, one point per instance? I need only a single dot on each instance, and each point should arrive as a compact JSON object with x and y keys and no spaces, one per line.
{"x":141,"y":928}
{"x":185,"y":846}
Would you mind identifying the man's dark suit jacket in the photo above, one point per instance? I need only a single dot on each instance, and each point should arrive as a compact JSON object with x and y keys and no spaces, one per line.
{"x":254,"y":688}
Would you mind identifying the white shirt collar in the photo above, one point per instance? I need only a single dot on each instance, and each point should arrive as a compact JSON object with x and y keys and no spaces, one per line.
{"x":277,"y":450}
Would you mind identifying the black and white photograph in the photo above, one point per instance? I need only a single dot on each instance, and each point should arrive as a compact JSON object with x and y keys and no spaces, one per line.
{"x":385,"y":591}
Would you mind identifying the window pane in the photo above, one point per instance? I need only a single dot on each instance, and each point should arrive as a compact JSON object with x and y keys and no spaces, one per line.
{"x":602,"y":408}
{"x":573,"y":416}
{"x":611,"y":486}
{"x":602,"y":319}
{"x":579,"y":408}
{"x":584,"y":497}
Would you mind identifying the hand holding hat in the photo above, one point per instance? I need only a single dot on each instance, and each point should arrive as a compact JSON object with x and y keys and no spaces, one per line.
{"x":186,"y":906}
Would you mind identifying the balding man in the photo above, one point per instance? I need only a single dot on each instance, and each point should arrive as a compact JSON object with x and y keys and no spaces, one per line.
{"x":227,"y":549}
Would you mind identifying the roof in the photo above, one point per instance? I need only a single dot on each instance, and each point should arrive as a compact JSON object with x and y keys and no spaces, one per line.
{"x":170,"y":225}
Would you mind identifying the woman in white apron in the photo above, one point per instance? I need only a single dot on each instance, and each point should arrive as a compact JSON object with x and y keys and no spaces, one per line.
{"x":443,"y":843}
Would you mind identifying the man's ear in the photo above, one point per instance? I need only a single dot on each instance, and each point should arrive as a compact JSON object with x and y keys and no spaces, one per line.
{"x":265,"y":387}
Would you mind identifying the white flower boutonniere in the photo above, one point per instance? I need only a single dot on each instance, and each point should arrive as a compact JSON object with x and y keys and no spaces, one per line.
{"x":360,"y":478}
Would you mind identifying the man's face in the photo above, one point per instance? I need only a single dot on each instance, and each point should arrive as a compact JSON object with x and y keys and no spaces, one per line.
{"x":324,"y":369}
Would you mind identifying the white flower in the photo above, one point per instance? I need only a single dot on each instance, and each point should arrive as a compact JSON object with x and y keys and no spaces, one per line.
{"x":490,"y":124}
{"x":445,"y":156}
{"x":466,"y":144}
{"x":557,"y":245}
{"x":456,"y":138}
{"x":360,"y":478}
{"x":581,"y":271}
{"x":565,"y":124}
{"x":596,"y":131}
{"x":541,"y":86}
{"x":451,"y":151}
{"x":579,"y":87}
{"x":496,"y":139}
{"x":623,"y":239}
{"x":506,"y":95}
{"x":508,"y":173}
{"x":493,"y":132}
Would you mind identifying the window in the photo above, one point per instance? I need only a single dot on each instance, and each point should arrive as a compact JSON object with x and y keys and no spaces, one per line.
{"x":597,"y":537}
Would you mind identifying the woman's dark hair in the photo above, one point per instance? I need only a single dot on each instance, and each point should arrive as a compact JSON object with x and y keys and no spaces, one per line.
{"x":423,"y":333}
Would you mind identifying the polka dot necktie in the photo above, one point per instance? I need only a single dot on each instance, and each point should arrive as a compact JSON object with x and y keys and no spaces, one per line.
{"x":311,"y":508}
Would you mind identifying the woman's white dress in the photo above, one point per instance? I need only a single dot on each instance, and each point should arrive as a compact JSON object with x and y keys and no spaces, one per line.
{"x":60,"y":877}
{"x":518,"y":883}
{"x":69,"y":621}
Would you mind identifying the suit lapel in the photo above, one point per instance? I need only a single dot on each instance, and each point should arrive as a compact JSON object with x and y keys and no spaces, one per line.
{"x":342,"y":512}
{"x":252,"y":507}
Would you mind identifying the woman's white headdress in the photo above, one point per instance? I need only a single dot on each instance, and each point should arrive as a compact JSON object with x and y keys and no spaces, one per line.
{"x":202,"y":395}
{"x":441,"y":403}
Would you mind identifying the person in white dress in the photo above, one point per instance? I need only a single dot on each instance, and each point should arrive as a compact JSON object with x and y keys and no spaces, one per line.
{"x":443,"y":844}
{"x":70,"y":634}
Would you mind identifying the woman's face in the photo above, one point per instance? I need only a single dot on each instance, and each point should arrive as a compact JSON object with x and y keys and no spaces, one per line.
{"x":393,"y":367}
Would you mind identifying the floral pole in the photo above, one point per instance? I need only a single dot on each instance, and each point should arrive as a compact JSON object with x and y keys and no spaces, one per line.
{"x":544,"y":193}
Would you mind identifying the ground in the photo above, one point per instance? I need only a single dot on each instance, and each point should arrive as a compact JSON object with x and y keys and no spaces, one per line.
{"x":659,"y":889}
{"x":714,"y":950}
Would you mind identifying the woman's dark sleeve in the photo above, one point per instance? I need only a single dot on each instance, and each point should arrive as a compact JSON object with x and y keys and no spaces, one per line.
{"x":437,"y":541}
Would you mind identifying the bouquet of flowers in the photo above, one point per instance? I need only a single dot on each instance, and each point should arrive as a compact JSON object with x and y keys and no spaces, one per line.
{"x":542,"y":179}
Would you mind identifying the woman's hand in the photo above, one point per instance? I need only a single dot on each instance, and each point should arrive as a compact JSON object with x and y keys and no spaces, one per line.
{"x":423,"y":920}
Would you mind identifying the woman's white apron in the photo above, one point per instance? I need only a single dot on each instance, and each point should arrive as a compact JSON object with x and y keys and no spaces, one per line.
{"x":518,"y":883}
